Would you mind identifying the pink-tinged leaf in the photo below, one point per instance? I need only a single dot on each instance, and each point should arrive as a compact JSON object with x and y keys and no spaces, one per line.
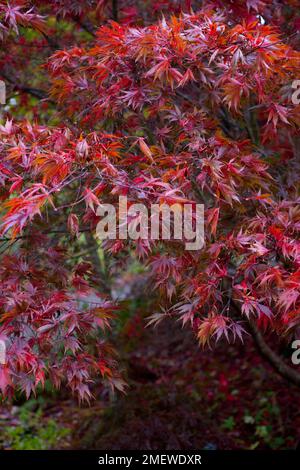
{"x":73,"y":224}
{"x":264,"y":310}
{"x":5,"y":379}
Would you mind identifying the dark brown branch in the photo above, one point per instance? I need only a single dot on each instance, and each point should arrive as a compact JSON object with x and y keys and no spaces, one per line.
{"x":89,"y":28}
{"x":36,"y":92}
{"x":44,"y":232}
{"x":273,"y":359}
{"x":276,"y":362}
{"x":52,"y":43}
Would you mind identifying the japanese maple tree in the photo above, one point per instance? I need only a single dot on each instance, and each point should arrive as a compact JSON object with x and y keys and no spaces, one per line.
{"x":163,"y":103}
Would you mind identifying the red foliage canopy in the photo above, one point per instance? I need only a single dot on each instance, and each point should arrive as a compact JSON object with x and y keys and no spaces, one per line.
{"x":194,"y":107}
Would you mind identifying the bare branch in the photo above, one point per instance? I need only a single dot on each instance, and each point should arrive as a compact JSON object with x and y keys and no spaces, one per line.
{"x":87,"y":26}
{"x":273,"y":358}
{"x":276,"y":362}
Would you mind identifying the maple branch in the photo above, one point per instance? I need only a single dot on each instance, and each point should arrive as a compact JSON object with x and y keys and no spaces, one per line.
{"x":228,"y":124}
{"x":82,"y":253}
{"x":36,"y":92}
{"x":186,"y":97}
{"x":85,"y":25}
{"x":273,"y":359}
{"x":44,"y":232}
{"x":52,"y":43}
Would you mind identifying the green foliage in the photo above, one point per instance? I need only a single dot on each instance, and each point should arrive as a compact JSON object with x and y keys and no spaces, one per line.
{"x":34,"y":433}
{"x":229,"y":423}
{"x":266,"y":423}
